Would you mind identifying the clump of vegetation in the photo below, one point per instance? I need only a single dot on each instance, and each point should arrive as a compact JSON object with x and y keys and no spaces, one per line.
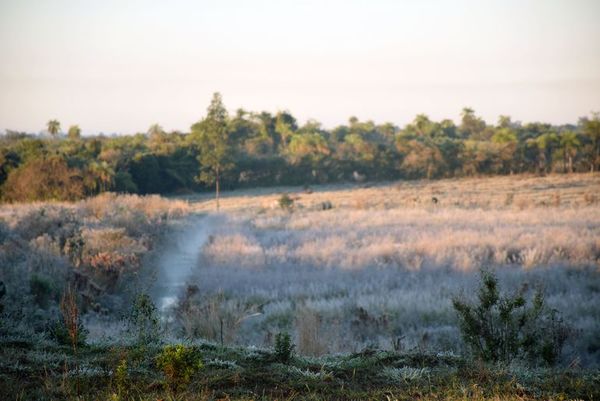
{"x":284,"y":347}
{"x":44,"y":178}
{"x":325,"y":205}
{"x":286,"y":202}
{"x":505,"y":327}
{"x":2,"y":294}
{"x":70,"y":319}
{"x":179,"y":363}
{"x":144,"y":320}
{"x":58,"y":331}
{"x":122,"y":378}
{"x":41,"y":289}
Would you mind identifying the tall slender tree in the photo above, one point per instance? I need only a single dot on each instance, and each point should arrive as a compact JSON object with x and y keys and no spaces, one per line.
{"x":591,"y":129}
{"x":211,"y":136}
{"x":569,"y":143}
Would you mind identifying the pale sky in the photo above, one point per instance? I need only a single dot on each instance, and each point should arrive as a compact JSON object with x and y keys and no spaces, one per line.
{"x":120,"y":65}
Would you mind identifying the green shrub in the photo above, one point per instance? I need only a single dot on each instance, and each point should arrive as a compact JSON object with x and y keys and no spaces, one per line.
{"x":2,"y":294}
{"x":286,"y":202}
{"x":504,"y":327}
{"x":284,"y":348}
{"x":41,"y":289}
{"x":122,"y":378}
{"x":59,"y":332}
{"x":179,"y":363}
{"x":326,"y":205}
{"x":144,"y":320}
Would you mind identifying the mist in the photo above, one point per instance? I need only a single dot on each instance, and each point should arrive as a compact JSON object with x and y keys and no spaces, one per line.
{"x":178,"y":261}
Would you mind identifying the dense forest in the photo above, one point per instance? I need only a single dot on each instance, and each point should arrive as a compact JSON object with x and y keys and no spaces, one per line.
{"x":250,"y":149}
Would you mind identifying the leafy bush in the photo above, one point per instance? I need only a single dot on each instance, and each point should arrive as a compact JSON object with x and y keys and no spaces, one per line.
{"x":45,"y":178}
{"x":2,"y":293}
{"x":502,"y":328}
{"x":284,"y":347}
{"x":326,"y":205}
{"x":57,"y":222}
{"x":179,"y":363}
{"x":41,"y":289}
{"x":286,"y":202}
{"x":144,"y":320}
{"x":59,"y":332}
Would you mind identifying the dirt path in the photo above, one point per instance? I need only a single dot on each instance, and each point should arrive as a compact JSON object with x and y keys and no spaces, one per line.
{"x":179,"y":261}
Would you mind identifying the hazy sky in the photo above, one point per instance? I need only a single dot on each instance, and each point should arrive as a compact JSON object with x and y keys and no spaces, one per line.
{"x":120,"y":66}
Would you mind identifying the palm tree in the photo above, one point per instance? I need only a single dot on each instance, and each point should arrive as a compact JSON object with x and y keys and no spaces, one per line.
{"x":103,"y":175}
{"x":545,"y":144}
{"x":53,"y":127}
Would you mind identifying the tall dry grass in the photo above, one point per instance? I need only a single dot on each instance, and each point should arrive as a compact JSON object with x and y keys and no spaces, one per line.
{"x":511,"y":192}
{"x":462,"y":239}
{"x":384,"y":263}
{"x":98,"y":245}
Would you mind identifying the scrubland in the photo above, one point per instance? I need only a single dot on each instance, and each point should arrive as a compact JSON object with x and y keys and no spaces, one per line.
{"x":379,"y":268}
{"x":361,"y":277}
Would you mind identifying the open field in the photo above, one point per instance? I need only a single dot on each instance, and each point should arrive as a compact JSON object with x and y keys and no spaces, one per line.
{"x":501,"y":192}
{"x":362,"y":278}
{"x":380,"y":267}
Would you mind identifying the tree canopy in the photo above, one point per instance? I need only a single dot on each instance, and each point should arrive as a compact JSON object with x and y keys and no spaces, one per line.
{"x":248,"y":149}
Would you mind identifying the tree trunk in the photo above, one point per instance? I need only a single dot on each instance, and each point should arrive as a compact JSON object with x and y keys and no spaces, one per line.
{"x":542,"y":163}
{"x":570,"y":164}
{"x":217,"y":189}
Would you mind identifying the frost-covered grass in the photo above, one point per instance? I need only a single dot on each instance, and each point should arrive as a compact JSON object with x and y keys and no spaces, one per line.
{"x":381,"y":267}
{"x":114,"y":371}
{"x":100,"y":247}
{"x":364,"y":289}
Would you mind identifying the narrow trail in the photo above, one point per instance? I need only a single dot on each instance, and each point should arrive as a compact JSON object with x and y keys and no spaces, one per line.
{"x":178,"y":262}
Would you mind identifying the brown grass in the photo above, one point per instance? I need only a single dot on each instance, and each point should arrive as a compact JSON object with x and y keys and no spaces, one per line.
{"x":513,"y":192}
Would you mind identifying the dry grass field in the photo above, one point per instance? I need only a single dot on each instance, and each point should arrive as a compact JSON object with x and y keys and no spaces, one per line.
{"x":361,"y":277}
{"x":502,"y":192}
{"x":380,"y":266}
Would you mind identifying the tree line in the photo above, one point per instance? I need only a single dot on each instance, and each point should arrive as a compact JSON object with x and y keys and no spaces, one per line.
{"x":248,"y":149}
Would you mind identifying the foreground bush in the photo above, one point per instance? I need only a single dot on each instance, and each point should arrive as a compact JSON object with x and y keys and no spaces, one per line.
{"x":286,"y":202}
{"x":502,"y":328}
{"x":179,"y":363}
{"x":284,"y":347}
{"x":144,"y":320}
